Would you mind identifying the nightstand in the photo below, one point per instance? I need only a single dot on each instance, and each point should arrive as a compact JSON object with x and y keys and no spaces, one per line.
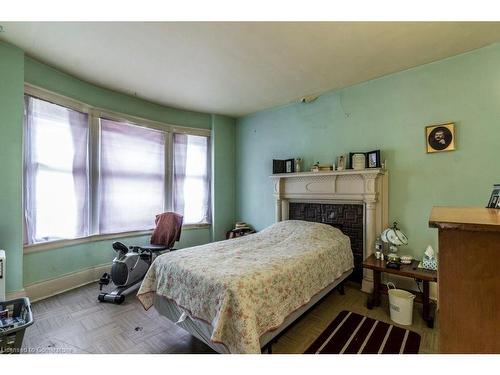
{"x":234,"y":233}
{"x":406,"y":270}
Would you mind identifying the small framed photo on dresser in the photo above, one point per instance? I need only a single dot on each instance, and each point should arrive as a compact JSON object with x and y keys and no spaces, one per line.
{"x":494,"y":201}
{"x":373,"y":159}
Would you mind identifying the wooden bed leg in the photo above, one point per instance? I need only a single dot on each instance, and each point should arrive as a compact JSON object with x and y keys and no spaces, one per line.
{"x":269,"y":346}
{"x":340,"y":288}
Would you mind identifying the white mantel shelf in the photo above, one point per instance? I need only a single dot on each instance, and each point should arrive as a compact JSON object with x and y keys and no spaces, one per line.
{"x":366,"y":171}
{"x":368,"y":187}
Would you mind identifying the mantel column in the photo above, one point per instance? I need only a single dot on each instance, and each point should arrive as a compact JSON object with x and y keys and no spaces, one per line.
{"x":370,"y":205}
{"x":278,"y":187}
{"x":371,"y":224}
{"x":370,"y":200}
{"x":285,"y":204}
{"x":278,"y":210}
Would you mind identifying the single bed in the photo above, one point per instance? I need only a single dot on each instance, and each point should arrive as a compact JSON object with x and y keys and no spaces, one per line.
{"x":237,"y":295}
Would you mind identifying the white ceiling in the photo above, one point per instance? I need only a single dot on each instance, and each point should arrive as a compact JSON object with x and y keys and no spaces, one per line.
{"x":239,"y":68}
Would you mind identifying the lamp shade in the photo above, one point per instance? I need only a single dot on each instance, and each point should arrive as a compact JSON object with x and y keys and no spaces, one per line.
{"x":394,"y":236}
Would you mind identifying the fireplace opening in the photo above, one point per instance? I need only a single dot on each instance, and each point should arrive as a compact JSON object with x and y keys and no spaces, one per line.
{"x":346,"y":217}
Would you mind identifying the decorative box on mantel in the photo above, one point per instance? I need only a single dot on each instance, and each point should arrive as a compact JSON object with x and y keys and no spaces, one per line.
{"x":368,"y":187}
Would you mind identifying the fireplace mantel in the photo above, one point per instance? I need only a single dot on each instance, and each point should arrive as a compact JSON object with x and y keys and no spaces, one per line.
{"x":368,"y":187}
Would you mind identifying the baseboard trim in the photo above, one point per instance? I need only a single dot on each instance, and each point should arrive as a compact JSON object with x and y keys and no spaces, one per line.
{"x":14,"y":295}
{"x":48,"y":288}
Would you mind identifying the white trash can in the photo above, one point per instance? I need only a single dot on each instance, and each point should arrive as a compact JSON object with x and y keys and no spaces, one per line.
{"x":400,"y":305}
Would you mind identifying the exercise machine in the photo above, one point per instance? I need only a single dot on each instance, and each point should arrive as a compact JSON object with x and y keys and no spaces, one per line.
{"x":128,"y":270}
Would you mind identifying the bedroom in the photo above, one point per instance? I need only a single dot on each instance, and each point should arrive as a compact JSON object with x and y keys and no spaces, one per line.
{"x":96,"y":142}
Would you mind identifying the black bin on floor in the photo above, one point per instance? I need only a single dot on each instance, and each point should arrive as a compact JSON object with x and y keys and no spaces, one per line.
{"x":15,"y":317}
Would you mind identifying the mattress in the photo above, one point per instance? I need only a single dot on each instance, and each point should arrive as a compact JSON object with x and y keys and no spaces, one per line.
{"x":245,"y":287}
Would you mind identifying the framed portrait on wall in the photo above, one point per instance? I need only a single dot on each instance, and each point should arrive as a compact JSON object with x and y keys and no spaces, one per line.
{"x":440,"y":138}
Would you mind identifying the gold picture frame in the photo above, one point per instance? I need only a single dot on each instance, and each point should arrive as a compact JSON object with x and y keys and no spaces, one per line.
{"x":440,"y":137}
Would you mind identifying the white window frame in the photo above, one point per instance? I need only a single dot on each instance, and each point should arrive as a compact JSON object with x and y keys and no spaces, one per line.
{"x":94,"y":115}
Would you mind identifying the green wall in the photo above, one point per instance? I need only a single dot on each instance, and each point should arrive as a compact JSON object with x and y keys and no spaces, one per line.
{"x":50,"y":264}
{"x":223,"y":174}
{"x":389,"y":113}
{"x":51,"y":79}
{"x":11,"y":117}
{"x":15,"y":69}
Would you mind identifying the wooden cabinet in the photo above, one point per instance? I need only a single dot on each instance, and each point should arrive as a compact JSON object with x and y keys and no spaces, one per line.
{"x":469,"y":279}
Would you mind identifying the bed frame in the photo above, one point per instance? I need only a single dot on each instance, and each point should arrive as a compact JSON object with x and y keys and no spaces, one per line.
{"x":202,"y":330}
{"x":297,"y":315}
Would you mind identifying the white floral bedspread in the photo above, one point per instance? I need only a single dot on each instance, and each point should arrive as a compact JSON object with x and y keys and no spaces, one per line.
{"x":247,"y":286}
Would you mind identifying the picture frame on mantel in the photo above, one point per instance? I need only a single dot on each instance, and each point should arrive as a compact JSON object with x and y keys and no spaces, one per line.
{"x":283,"y":166}
{"x":373,"y":159}
{"x":342,"y":162}
{"x":357,"y":155}
{"x":290,"y":166}
{"x":278,"y":166}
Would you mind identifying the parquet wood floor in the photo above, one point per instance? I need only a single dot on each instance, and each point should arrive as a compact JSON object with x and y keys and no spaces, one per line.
{"x":75,"y":322}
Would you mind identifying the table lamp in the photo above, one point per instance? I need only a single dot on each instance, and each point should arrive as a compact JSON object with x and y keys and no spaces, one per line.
{"x":394,"y":237}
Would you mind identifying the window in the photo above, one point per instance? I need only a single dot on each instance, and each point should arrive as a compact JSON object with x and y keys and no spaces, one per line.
{"x":191,"y":192}
{"x":89,"y":172}
{"x":132,"y":178}
{"x":55,"y":172}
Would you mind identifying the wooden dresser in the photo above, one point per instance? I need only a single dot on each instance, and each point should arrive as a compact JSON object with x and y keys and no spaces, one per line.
{"x":469,"y":279}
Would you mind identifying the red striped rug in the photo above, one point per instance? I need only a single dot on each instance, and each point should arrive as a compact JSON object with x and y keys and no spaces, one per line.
{"x":351,"y":333}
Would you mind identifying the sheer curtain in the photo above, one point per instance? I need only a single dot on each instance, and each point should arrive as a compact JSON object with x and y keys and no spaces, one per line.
{"x":132,"y":177}
{"x":56,"y":184}
{"x":191,"y":190}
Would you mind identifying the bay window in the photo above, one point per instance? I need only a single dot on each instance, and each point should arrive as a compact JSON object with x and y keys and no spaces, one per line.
{"x":89,"y":172}
{"x":191,"y":190}
{"x":55,"y":173}
{"x":132,"y":177}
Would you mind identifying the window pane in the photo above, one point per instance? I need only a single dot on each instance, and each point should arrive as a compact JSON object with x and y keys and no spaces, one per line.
{"x":56,"y":205}
{"x":132,"y":180}
{"x":55,"y":172}
{"x":191,"y":178}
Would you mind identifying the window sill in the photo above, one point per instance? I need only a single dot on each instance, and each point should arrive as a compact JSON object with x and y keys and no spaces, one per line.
{"x":51,"y":245}
{"x":196,"y":226}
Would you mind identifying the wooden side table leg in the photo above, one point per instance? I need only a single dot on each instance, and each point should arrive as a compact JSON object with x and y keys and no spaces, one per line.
{"x":376,"y":287}
{"x":341,"y":289}
{"x":374,"y":298}
{"x":426,"y":305}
